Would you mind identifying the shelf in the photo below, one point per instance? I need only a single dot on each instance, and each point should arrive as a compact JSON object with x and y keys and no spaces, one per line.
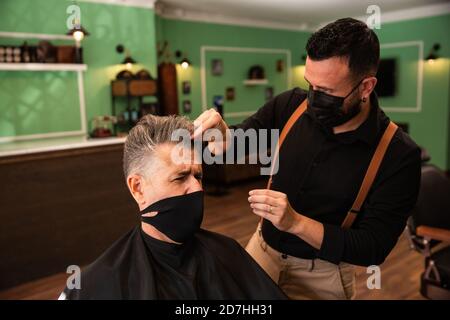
{"x":42,"y":67}
{"x":256,"y":82}
{"x":40,"y":36}
{"x":17,"y":148}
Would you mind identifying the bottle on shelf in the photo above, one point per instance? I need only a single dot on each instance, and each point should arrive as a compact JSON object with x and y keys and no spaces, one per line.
{"x":26,"y":57}
{"x":134,"y":115}
{"x":17,"y":54}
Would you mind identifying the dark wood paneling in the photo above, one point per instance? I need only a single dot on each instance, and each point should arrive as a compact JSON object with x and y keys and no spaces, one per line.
{"x":60,"y":208}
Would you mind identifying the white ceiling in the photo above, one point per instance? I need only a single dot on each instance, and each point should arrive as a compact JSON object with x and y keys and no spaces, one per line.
{"x":294,"y":14}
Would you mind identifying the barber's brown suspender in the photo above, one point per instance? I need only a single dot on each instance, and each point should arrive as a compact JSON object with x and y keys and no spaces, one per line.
{"x":371,"y":170}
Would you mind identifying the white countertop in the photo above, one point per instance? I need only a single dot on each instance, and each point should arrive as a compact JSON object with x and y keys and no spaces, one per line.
{"x":8,"y":149}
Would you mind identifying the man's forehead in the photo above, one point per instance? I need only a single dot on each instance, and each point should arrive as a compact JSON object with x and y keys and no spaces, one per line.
{"x":177,"y":157}
{"x":328,"y":72}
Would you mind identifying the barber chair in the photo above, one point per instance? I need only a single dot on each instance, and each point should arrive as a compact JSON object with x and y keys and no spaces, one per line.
{"x":428,"y":230}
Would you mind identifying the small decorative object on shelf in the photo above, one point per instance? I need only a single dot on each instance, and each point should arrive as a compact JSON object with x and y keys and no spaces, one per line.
{"x":5,"y":56}
{"x":124,"y":75}
{"x":17,"y":54}
{"x":149,"y":108}
{"x":256,"y":76}
{"x":134,"y":115}
{"x":66,"y":54}
{"x":143,"y":75}
{"x":46,"y":52}
{"x":27,"y":55}
{"x":102,"y":126}
{"x":256,"y":72}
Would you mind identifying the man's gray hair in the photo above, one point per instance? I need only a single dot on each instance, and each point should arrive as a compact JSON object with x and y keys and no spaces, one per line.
{"x":142,"y":139}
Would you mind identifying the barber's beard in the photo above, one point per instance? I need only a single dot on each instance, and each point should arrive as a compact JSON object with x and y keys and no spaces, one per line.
{"x":353,"y":106}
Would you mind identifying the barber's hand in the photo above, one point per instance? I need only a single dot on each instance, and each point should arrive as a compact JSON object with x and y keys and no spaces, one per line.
{"x":274,"y":206}
{"x":211,"y":119}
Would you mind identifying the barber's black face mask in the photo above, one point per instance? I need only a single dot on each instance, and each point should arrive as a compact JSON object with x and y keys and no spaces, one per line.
{"x":328,"y":109}
{"x":178,"y":217}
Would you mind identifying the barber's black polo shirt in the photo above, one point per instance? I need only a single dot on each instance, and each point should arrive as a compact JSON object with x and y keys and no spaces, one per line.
{"x":321,"y":174}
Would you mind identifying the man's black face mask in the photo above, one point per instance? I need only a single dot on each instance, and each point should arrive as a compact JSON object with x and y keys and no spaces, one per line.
{"x":328,"y":109}
{"x":178,"y":217}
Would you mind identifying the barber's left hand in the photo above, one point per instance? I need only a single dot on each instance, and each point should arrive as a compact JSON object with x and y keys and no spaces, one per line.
{"x":274,"y":206}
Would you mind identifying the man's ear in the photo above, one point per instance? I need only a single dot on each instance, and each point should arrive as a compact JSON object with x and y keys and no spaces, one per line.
{"x":135,"y":184}
{"x":368,"y":86}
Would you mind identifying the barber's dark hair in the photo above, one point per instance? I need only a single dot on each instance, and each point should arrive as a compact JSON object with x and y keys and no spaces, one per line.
{"x":347,"y":38}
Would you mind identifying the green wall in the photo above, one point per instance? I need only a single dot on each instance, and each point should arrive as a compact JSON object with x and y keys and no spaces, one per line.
{"x":189,"y":37}
{"x":430,"y":126}
{"x":41,"y":102}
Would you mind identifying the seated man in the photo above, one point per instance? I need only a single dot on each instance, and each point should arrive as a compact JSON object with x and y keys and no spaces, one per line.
{"x":168,"y":256}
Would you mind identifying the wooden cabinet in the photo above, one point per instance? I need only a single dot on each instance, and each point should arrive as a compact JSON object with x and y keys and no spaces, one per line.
{"x":133,"y":88}
{"x":129,"y":90}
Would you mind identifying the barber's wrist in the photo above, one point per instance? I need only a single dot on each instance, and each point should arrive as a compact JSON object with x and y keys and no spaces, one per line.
{"x":298,"y":225}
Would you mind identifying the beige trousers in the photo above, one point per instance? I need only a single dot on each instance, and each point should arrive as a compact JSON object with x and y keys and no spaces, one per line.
{"x":303,"y":278}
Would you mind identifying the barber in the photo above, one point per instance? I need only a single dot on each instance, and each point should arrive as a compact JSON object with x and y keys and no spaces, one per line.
{"x":347,"y":177}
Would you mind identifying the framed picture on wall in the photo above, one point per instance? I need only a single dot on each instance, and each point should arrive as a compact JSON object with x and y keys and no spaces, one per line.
{"x":230,"y":93}
{"x":280,"y":65}
{"x":268,"y":93}
{"x":187,"y":106}
{"x":217,"y":67}
{"x":186,"y":87}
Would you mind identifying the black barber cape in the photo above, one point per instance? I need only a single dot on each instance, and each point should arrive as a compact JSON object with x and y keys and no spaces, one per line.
{"x":209,"y":266}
